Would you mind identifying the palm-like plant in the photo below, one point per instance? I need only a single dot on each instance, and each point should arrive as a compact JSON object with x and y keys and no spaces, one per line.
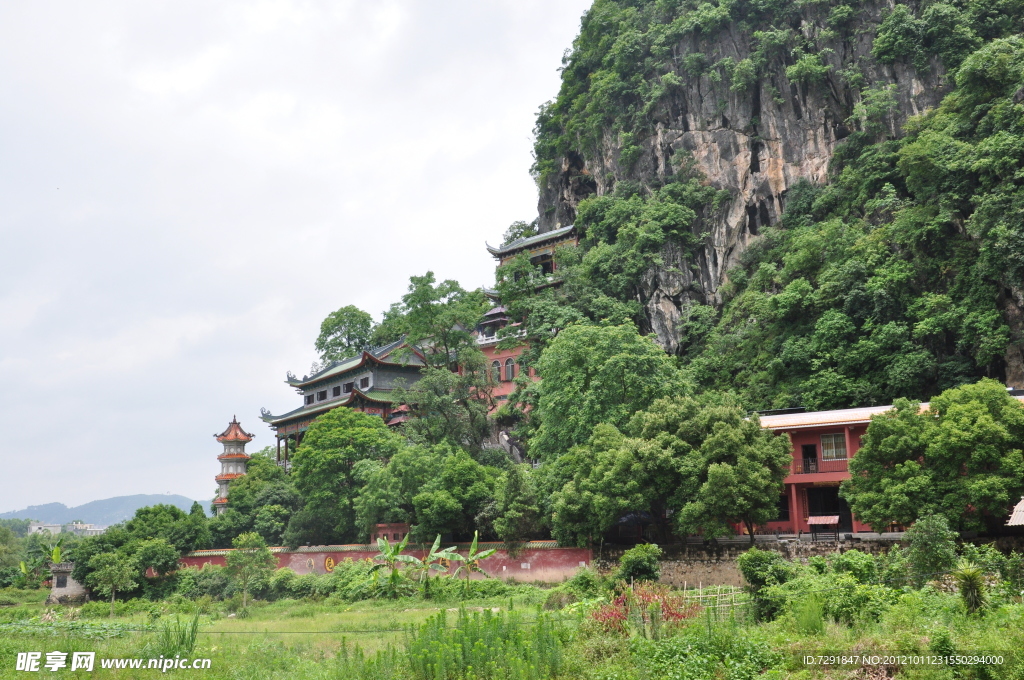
{"x":970,"y":581}
{"x":471,"y":562}
{"x":391,"y":557}
{"x":435,"y":560}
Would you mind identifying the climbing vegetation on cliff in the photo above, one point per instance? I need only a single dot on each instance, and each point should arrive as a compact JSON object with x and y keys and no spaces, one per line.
{"x":887,"y":282}
{"x":893,"y":279}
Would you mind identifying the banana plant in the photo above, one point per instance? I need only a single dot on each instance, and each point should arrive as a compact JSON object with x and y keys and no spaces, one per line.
{"x":471,"y":561}
{"x":436,"y":560}
{"x":390,"y":557}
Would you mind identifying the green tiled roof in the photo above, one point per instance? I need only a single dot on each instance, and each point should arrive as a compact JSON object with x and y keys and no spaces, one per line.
{"x":521,"y":243}
{"x":373,"y":394}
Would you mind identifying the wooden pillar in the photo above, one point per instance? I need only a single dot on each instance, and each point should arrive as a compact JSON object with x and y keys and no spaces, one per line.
{"x":278,"y":438}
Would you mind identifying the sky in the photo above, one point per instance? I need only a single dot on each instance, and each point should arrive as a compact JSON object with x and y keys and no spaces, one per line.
{"x":188,"y":188}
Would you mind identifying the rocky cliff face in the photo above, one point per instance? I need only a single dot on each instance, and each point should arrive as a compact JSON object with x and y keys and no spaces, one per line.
{"x":755,"y":142}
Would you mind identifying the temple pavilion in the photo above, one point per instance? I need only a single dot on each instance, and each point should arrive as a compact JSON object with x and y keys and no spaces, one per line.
{"x":232,"y":461}
{"x":366,"y":383}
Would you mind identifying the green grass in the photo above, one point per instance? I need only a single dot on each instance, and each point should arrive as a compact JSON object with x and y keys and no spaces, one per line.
{"x":411,"y":638}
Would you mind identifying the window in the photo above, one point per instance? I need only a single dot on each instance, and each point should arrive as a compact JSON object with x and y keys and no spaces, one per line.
{"x":309,"y":399}
{"x":833,"y":447}
{"x":336,"y":391}
{"x":364,"y":383}
{"x":496,"y":370}
{"x":321,"y":395}
{"x":783,"y":509}
{"x":347,"y":387}
{"x":510,"y":369}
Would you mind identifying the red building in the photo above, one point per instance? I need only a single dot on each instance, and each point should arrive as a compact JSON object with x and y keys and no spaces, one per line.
{"x":504,"y":363}
{"x":823,"y":443}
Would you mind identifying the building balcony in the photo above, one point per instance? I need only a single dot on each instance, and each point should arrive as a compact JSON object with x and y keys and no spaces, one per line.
{"x":228,"y":476}
{"x":807,"y":466}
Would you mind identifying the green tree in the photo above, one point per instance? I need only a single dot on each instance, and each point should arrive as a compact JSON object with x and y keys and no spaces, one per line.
{"x":518,"y":230}
{"x":112,"y":572}
{"x":270,"y":522}
{"x":8,"y":548}
{"x":250,"y":563}
{"x":264,"y":484}
{"x":388,"y":488}
{"x":155,"y":553}
{"x":597,"y":374}
{"x":932,"y":549}
{"x":961,"y":457}
{"x":323,"y":473}
{"x":697,"y":459}
{"x":517,"y":511}
{"x":344,"y":333}
{"x":450,"y":502}
{"x":186,"y":532}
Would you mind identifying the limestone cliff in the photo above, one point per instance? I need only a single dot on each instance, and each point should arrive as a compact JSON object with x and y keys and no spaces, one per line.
{"x":754,"y":140}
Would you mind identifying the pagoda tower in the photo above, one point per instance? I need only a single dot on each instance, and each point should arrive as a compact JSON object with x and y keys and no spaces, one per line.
{"x":232,"y":461}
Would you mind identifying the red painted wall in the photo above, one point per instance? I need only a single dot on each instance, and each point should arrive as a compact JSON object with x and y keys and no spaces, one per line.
{"x":549,"y":565}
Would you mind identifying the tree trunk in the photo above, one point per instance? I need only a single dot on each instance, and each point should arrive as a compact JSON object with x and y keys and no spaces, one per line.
{"x":245,"y":597}
{"x":750,"y":530}
{"x":112,"y":593}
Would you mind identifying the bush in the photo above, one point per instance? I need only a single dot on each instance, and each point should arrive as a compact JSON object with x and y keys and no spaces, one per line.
{"x":640,"y":564}
{"x":932,"y":549}
{"x":763,"y":570}
{"x":893,"y":568}
{"x":282,"y":583}
{"x":586,"y":583}
{"x":859,"y":565}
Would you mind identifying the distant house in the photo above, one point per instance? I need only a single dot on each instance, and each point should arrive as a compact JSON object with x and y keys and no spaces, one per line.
{"x":78,"y":528}
{"x":44,"y":528}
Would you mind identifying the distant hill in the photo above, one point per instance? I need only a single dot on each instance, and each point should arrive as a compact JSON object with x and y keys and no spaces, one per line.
{"x":107,"y":511}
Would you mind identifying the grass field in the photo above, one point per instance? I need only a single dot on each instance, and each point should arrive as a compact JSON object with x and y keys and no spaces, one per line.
{"x":306,"y":639}
{"x":283,"y":639}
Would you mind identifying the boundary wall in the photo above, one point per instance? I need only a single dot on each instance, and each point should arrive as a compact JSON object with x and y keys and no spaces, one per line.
{"x":540,"y":561}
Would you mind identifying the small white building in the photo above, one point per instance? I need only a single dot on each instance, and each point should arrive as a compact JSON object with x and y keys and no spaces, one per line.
{"x":44,"y":528}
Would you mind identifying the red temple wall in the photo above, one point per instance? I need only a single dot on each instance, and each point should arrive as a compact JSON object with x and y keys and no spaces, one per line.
{"x":549,"y":565}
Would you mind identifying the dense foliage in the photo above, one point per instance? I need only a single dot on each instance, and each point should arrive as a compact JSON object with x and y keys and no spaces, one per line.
{"x":891,"y":281}
{"x":962,"y":457}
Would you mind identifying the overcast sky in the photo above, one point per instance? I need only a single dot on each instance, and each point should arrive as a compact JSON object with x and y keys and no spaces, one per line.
{"x":187,"y":188}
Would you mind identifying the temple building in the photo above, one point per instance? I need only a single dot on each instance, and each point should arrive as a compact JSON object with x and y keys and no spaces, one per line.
{"x":366,"y":383}
{"x":541,"y":248}
{"x":232,"y":461}
{"x":504,"y":363}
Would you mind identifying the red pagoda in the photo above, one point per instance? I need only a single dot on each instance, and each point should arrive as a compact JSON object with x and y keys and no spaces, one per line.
{"x":232,"y":461}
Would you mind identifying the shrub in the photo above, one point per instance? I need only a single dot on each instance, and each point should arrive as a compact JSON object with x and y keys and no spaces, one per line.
{"x":846,"y":600}
{"x":893,"y":568}
{"x":282,"y":583}
{"x":585,"y":583}
{"x":932,"y":549}
{"x":763,"y":569}
{"x":859,"y":565}
{"x":483,"y":646}
{"x":640,"y":564}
